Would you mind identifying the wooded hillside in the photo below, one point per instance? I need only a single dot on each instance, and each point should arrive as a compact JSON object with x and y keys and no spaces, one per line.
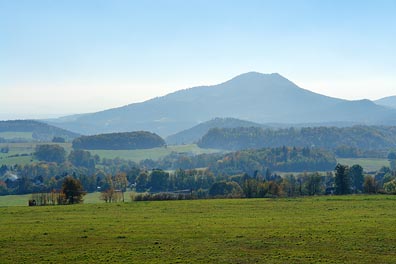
{"x":115,"y":141}
{"x":361,"y":137}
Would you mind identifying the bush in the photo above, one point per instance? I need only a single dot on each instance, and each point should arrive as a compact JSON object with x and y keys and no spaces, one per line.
{"x":162,"y":196}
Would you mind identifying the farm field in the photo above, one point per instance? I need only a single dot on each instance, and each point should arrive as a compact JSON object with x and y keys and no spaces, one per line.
{"x":134,"y":155}
{"x":154,"y":153}
{"x":11,"y":135}
{"x":367,"y":163}
{"x":21,"y":153}
{"x":338,"y":229}
{"x":22,"y":200}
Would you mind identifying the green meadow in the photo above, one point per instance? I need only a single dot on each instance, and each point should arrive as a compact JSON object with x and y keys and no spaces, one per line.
{"x":154,"y":153}
{"x":134,"y":155}
{"x":21,"y":135}
{"x":368,"y":164}
{"x":338,"y":229}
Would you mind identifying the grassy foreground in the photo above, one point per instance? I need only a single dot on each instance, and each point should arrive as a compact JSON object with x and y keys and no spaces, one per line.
{"x":350,"y":229}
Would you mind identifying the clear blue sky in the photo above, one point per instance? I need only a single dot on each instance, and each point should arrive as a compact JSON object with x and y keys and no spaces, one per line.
{"x":73,"y":56}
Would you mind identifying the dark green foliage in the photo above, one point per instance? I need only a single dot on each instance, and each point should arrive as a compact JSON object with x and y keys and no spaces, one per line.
{"x":314,"y":184}
{"x":58,"y":140}
{"x":82,"y":158}
{"x":392,"y":160}
{"x":193,"y":134}
{"x":158,"y":180}
{"x":142,"y":181}
{"x":369,"y":185}
{"x":5,"y":149}
{"x":342,"y":180}
{"x":73,"y":190}
{"x":357,"y":178}
{"x":114,"y":141}
{"x":276,"y":159}
{"x":250,"y":161}
{"x":225,"y":189}
{"x":50,"y":153}
{"x":346,"y":141}
{"x":162,"y":196}
{"x":393,"y":164}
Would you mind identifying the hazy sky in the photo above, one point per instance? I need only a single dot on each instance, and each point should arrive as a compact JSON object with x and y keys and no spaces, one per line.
{"x":61,"y":57}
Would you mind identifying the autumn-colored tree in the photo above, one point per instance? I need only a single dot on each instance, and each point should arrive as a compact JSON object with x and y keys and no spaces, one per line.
{"x":72,"y":190}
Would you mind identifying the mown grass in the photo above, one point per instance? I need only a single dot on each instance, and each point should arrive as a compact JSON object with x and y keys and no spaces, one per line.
{"x":350,"y":229}
{"x":368,"y":164}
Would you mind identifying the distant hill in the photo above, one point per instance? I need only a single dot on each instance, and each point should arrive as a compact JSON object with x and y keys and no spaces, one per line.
{"x":117,"y":141}
{"x":360,"y":137}
{"x":39,"y":131}
{"x":387,"y":101}
{"x":192,"y":135}
{"x":260,"y":98}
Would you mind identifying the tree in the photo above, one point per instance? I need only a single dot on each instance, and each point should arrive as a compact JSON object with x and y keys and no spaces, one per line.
{"x":369,"y":185}
{"x":159,"y":180}
{"x":357,"y":178}
{"x":58,"y":140}
{"x":313,"y":183}
{"x":142,"y":182}
{"x":342,"y":180}
{"x":82,"y":158}
{"x":225,"y":189}
{"x":72,"y":190}
{"x":50,"y":153}
{"x":390,"y":187}
{"x":121,"y":183}
{"x":393,"y":164}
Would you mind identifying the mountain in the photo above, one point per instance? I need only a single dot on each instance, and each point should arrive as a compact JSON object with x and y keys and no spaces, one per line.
{"x":389,"y":101}
{"x":192,"y":135}
{"x":261,"y":98}
{"x":38,"y":131}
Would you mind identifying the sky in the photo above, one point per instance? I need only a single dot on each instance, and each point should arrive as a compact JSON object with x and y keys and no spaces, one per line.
{"x":71,"y":56}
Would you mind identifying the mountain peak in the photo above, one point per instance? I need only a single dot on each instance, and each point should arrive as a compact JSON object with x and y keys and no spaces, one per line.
{"x":253,"y":96}
{"x":254,"y":74}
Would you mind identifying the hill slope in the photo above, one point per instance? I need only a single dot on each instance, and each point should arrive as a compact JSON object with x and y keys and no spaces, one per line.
{"x":262,"y":98}
{"x":39,"y":130}
{"x":360,"y":137}
{"x":192,"y":135}
{"x":389,"y":101}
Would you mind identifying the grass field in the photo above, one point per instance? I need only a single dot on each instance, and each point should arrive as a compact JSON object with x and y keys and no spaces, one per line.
{"x":22,"y":200}
{"x":348,"y":229}
{"x":23,"y":148}
{"x":134,"y":155}
{"x":367,"y":164}
{"x":12,"y":135}
{"x":154,"y":153}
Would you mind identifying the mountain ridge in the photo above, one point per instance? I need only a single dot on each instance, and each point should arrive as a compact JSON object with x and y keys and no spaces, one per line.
{"x":389,"y":101}
{"x":252,"y":96}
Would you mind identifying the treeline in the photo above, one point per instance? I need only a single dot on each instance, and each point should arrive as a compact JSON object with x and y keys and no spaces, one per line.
{"x":117,"y":141}
{"x":248,"y":173}
{"x":348,"y":140}
{"x":251,"y":161}
{"x":344,"y":180}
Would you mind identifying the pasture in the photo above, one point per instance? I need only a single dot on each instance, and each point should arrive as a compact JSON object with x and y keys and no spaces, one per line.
{"x":16,"y":149}
{"x":338,"y":229}
{"x":154,"y":153}
{"x":368,"y":164}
